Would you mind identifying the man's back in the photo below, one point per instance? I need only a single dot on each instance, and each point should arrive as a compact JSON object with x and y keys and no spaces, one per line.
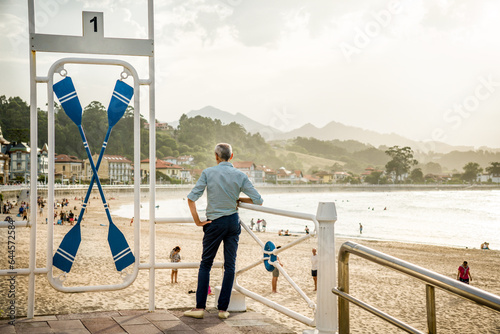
{"x":224,"y":183}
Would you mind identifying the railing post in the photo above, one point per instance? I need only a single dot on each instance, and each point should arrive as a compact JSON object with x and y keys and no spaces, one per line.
{"x":326,"y":312}
{"x":343,"y":271}
{"x":430,"y":297}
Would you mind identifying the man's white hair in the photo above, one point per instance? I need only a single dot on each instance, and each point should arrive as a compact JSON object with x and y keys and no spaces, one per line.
{"x":223,"y":151}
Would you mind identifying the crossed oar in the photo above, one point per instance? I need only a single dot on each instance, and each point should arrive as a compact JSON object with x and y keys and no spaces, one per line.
{"x":65,"y":254}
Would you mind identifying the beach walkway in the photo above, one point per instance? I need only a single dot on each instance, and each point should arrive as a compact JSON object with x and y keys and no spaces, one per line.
{"x":144,"y":322}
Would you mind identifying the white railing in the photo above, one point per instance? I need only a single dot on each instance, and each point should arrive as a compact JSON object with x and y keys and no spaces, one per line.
{"x":325,"y":313}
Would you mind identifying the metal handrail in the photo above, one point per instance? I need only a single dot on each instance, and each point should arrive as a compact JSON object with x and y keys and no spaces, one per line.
{"x":431,"y":278}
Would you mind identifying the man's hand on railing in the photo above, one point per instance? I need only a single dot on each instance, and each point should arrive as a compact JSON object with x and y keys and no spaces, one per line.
{"x":244,"y":200}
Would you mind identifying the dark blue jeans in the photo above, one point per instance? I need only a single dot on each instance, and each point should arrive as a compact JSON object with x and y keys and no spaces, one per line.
{"x":226,"y":229}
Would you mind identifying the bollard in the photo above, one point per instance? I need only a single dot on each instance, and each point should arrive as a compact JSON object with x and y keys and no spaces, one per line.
{"x":326,"y":311}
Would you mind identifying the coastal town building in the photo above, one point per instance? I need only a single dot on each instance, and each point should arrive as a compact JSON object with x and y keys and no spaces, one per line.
{"x":160,"y":126}
{"x":340,"y":176}
{"x":68,"y":169}
{"x":180,"y":160}
{"x":167,"y":168}
{"x":186,"y":176}
{"x":324,"y":177}
{"x":4,"y":159}
{"x":185,"y":160}
{"x":268,"y":174}
{"x":293,"y":177}
{"x":172,"y":160}
{"x":19,"y":161}
{"x":312,"y":179}
{"x":114,"y":169}
{"x":248,"y":167}
{"x":487,"y":178}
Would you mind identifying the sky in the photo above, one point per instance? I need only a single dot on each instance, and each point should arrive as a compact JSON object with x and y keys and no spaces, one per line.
{"x":428,"y":70}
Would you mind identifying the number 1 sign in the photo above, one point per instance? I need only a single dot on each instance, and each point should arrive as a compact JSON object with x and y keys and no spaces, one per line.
{"x":92,"y":41}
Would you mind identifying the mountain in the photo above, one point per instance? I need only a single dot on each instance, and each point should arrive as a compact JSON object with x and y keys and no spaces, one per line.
{"x":335,"y":130}
{"x":331,"y":131}
{"x":225,"y":117}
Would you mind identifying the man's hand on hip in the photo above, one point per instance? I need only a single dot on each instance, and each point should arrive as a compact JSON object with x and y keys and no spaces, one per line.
{"x":202,"y":223}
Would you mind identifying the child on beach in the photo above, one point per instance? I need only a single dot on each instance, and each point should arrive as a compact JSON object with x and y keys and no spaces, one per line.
{"x":175,"y":257}
{"x":276,"y":274}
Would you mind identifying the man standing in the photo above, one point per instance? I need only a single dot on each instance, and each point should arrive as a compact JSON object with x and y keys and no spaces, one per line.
{"x":224,"y":183}
{"x":314,"y":268}
{"x":463,"y":274}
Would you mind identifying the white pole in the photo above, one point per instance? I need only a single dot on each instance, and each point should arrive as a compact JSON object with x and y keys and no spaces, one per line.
{"x":152,"y":162}
{"x":33,"y":167}
{"x":326,"y":311}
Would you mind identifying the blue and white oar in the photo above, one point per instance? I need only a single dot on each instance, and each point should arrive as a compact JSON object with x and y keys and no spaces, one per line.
{"x":122,"y":255}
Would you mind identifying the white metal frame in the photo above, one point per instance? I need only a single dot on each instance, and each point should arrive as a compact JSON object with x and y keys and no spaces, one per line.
{"x":92,"y":42}
{"x":58,"y":67}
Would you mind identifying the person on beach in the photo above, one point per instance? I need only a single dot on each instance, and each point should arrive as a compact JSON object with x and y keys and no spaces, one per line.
{"x":252,"y":224}
{"x":463,"y":274}
{"x":276,"y":274}
{"x":224,"y":183}
{"x":71,"y":216}
{"x":258,"y":224}
{"x":360,"y":228}
{"x":314,"y":268}
{"x":131,"y":221}
{"x":307,"y":230}
{"x":264,"y":225}
{"x":175,"y":257}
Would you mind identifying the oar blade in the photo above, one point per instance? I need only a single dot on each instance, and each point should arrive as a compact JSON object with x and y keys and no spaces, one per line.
{"x":65,"y":254}
{"x":119,"y":102}
{"x":66,"y":93}
{"x":122,"y":254}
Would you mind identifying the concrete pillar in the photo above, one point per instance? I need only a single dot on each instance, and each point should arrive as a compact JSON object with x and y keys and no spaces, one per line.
{"x":326,"y":312}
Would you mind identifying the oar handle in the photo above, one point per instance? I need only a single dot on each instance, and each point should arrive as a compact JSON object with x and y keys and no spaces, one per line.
{"x":94,"y":170}
{"x":92,"y":180}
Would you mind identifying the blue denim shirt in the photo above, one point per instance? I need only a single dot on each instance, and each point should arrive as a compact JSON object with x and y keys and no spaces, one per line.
{"x":224,"y":184}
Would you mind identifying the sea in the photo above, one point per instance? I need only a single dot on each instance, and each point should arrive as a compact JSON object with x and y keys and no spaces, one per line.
{"x":461,"y":218}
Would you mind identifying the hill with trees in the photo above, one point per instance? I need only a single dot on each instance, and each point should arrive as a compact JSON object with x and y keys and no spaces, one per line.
{"x":198,"y":135}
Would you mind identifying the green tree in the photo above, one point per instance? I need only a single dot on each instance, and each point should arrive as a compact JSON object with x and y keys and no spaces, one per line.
{"x":493,"y":169}
{"x":373,"y":178}
{"x":402,"y":160}
{"x":417,"y":176}
{"x":471,"y":170}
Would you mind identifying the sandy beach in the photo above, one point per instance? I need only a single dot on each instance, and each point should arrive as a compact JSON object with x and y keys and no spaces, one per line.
{"x":394,"y":293}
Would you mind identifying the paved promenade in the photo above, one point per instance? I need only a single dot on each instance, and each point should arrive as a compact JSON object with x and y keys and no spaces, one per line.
{"x":144,"y":322}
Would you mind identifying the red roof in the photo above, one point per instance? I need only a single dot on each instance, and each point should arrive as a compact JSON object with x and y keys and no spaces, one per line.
{"x":160,"y":164}
{"x":66,"y":158}
{"x":243,"y":164}
{"x":116,"y":158}
{"x":311,"y":178}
